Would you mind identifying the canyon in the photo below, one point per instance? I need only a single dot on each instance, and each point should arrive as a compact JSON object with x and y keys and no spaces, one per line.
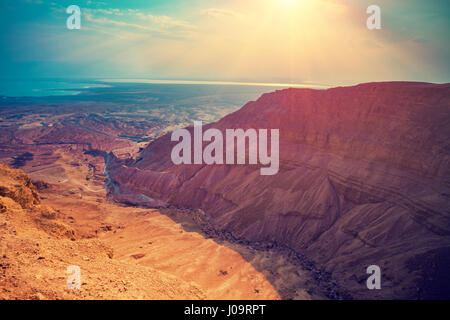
{"x":363,"y":180}
{"x":143,"y":253}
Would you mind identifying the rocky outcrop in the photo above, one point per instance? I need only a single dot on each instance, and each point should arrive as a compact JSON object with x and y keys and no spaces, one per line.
{"x":364,"y":179}
{"x":16,"y":187}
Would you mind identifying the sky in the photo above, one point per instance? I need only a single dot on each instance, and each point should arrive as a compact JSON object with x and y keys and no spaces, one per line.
{"x":268,"y":41}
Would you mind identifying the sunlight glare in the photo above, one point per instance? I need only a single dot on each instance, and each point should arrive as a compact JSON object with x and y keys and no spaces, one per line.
{"x":289,"y":3}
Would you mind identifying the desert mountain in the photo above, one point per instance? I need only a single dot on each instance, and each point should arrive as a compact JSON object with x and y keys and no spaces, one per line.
{"x":363,"y":180}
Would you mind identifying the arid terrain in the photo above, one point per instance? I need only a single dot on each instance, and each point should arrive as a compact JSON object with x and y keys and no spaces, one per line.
{"x":124,"y":253}
{"x":38,"y":246}
{"x":363,"y":180}
{"x":146,"y":253}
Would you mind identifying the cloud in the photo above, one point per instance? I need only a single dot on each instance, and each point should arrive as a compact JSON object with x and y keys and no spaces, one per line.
{"x":218,"y":13}
{"x":165,"y":21}
{"x":254,"y":40}
{"x":116,"y":12}
{"x":140,"y":21}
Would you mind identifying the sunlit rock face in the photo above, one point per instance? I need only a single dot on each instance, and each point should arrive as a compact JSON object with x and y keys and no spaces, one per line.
{"x":363,"y":180}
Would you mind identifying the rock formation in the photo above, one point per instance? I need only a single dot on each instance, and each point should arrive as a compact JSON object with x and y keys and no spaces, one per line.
{"x":364,"y":180}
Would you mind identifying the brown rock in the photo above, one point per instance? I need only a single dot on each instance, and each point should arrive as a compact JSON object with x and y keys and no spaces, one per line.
{"x":364,"y":179}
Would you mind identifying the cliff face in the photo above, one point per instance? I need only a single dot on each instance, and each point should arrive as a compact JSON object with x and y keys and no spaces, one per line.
{"x":364,"y":179}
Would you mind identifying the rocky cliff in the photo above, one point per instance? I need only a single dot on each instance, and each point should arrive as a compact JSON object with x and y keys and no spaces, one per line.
{"x":364,"y":180}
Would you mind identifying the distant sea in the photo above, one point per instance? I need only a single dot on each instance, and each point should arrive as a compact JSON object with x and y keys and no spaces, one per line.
{"x":46,"y":87}
{"x":62,"y":87}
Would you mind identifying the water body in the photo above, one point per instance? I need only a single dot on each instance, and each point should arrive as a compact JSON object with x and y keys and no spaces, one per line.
{"x":58,"y":87}
{"x":45,"y":87}
{"x":172,"y":103}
